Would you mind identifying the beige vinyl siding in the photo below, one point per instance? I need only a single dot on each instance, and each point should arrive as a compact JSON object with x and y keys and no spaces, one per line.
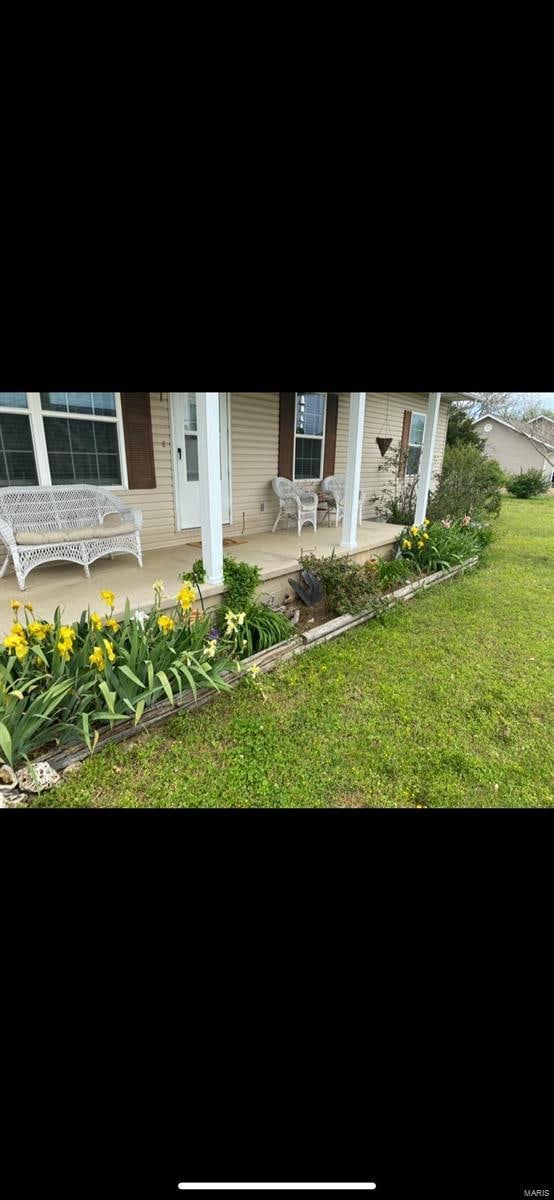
{"x":511,"y":449}
{"x":376,"y":425}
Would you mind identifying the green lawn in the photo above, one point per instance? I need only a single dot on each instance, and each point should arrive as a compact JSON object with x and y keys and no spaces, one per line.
{"x":448,"y":703}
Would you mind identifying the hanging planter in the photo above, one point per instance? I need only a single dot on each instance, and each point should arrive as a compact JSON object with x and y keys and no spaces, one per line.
{"x":384,"y":444}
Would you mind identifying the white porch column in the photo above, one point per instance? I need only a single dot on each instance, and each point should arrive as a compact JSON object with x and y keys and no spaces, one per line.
{"x":427,"y":456}
{"x":209,"y":466}
{"x":353,"y":471}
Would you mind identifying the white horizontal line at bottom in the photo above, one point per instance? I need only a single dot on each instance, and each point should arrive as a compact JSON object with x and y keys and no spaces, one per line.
{"x":277,"y":1187}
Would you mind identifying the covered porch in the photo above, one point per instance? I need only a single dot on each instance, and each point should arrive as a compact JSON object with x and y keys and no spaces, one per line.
{"x":276,"y":555}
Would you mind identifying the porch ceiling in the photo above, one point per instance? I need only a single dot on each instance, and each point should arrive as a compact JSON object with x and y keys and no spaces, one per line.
{"x":275,"y":554}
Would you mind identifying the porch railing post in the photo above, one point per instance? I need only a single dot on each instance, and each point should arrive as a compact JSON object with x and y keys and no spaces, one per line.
{"x":427,"y":456}
{"x":209,"y":468}
{"x":353,"y":471}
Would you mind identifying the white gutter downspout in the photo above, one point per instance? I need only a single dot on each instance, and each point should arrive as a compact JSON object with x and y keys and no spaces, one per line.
{"x":427,"y":456}
{"x":209,"y":464}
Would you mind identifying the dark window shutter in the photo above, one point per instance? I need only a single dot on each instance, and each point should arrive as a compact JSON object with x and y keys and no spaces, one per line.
{"x":287,"y":419}
{"x":139,"y":446}
{"x":405,"y":443}
{"x":331,"y":434}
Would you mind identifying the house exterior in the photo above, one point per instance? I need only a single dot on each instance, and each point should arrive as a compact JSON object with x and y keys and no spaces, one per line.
{"x":514,"y":449}
{"x":542,"y":428}
{"x":144,"y":445}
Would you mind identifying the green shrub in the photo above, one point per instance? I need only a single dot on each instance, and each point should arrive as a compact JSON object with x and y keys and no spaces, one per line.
{"x":241,"y":581}
{"x":348,"y":587}
{"x":394,"y":572}
{"x":248,"y":625}
{"x":397,"y":501}
{"x":440,"y":545}
{"x":528,"y":483}
{"x":469,"y":484}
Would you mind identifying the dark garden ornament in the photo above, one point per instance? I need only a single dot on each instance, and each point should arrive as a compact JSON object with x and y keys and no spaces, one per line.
{"x":309,"y":589}
{"x":384,"y":440}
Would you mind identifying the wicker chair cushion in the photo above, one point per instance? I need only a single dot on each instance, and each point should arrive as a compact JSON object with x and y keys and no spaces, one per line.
{"x":53,"y":537}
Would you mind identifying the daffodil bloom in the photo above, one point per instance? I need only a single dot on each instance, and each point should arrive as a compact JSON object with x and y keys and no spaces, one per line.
{"x":37,"y":631}
{"x":414,"y":530}
{"x":186,"y":597}
{"x":231,"y":626}
{"x":210,"y":650}
{"x":420,"y":545}
{"x":108,"y":598}
{"x":241,"y":618}
{"x":427,"y":521}
{"x":29,"y":608}
{"x":406,"y":545}
{"x":426,"y":537}
{"x":68,"y":633}
{"x":112,"y":624}
{"x":14,"y":641}
{"x":96,"y":659}
{"x":109,"y":650}
{"x":22,"y":650}
{"x":96,"y":620}
{"x":18,"y":629}
{"x":166,"y":624}
{"x":65,"y":650}
{"x":15,"y":604}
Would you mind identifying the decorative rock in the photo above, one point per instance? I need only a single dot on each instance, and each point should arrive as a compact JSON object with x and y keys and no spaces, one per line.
{"x":72,"y":768}
{"x":14,"y":800}
{"x":8,"y":778}
{"x":40,"y":779}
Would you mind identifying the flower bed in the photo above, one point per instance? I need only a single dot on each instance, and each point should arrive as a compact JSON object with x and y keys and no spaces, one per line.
{"x":67,"y":690}
{"x":65,"y":682}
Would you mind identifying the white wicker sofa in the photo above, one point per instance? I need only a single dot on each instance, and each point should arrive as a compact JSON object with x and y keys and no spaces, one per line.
{"x":47,"y":524}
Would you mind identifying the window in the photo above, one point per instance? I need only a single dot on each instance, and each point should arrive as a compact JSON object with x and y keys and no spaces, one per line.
{"x":62,"y":437}
{"x":191,"y":438}
{"x":309,"y":435}
{"x":415,"y":443}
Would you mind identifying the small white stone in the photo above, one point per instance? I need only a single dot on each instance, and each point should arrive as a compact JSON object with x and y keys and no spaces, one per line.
{"x":40,"y":779}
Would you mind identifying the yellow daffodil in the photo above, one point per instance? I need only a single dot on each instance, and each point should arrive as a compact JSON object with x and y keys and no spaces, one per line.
{"x":241,"y":618}
{"x":37,"y":631}
{"x":29,"y":608}
{"x":22,"y":650}
{"x":15,"y":604}
{"x":108,"y":598}
{"x":414,"y":530}
{"x":426,"y":537}
{"x":166,"y":624}
{"x":17,"y":628}
{"x":14,"y":642}
{"x":420,"y":545}
{"x":210,"y":650}
{"x":186,"y":597}
{"x":427,"y":521}
{"x":112,"y":624}
{"x":109,"y":650}
{"x":65,"y":650}
{"x":96,"y":659}
{"x":96,"y":620}
{"x":406,"y":545}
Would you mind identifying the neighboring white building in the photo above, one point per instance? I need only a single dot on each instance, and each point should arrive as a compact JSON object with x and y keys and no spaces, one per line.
{"x":515,"y":450}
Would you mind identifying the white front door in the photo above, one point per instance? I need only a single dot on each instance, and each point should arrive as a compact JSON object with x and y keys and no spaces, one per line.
{"x":185,"y":456}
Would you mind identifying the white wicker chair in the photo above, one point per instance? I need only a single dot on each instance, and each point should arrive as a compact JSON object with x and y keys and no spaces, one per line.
{"x":48,"y":524}
{"x":295,"y":503}
{"x":335,"y":486}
